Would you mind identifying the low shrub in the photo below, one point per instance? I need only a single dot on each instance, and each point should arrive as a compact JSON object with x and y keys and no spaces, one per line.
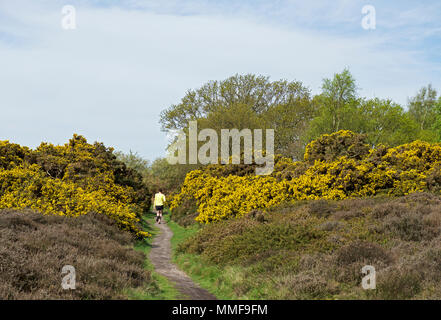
{"x":338,"y":166}
{"x":361,"y":251}
{"x":185,"y":213}
{"x":321,"y":207}
{"x":37,"y":247}
{"x":409,"y":226}
{"x":398,"y":284}
{"x":329,"y":147}
{"x":296,"y":254}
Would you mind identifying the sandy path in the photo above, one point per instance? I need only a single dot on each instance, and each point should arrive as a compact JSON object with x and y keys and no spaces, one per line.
{"x":160,"y":256}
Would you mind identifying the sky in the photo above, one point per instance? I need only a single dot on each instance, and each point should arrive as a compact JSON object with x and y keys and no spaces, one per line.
{"x":126,"y":61}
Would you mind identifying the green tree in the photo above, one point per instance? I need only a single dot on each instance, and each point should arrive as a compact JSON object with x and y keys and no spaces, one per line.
{"x":382,"y":121}
{"x":437,"y":122}
{"x":246,"y":101}
{"x":338,"y":97}
{"x":337,"y":106}
{"x":167,"y":176}
{"x":158,"y":174}
{"x":134,"y":161}
{"x":385,"y":122}
{"x":422,"y":107}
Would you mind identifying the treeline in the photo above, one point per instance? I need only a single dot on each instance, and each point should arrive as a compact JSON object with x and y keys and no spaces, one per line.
{"x":158,"y":174}
{"x":250,"y":101}
{"x":298,"y":117}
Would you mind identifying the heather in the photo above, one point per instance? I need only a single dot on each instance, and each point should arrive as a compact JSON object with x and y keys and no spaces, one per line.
{"x":35,"y":248}
{"x":316,"y":249}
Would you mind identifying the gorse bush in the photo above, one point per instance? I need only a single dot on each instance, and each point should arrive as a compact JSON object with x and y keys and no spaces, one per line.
{"x":336,"y":166}
{"x":12,"y":154}
{"x":330,"y":147}
{"x":72,"y":180}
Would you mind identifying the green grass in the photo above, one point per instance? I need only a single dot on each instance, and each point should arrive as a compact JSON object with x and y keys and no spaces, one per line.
{"x":224,"y":283}
{"x":180,"y":234}
{"x":218,"y":281}
{"x":165,"y":290}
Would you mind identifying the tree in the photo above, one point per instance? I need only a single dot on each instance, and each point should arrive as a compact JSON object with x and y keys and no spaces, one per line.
{"x":134,"y":161}
{"x":385,"y":122}
{"x":337,"y":106}
{"x":382,"y":121}
{"x":422,"y":107}
{"x":437,"y":122}
{"x":167,"y":176}
{"x":290,"y":121}
{"x":338,"y":95}
{"x":246,"y":101}
{"x":158,"y":174}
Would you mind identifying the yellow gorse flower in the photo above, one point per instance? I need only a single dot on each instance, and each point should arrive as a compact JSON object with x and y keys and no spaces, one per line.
{"x":75,"y":192}
{"x":401,"y":170}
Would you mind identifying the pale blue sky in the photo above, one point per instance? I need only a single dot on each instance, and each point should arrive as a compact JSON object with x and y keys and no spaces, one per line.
{"x":127,"y":60}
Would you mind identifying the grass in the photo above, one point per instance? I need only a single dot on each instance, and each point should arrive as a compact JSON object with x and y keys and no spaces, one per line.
{"x":225,"y":282}
{"x":165,"y":289}
{"x":216,"y":280}
{"x":316,"y":250}
{"x":180,"y":233}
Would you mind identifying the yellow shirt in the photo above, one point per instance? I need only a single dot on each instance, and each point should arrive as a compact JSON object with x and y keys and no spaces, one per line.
{"x":159,"y":199}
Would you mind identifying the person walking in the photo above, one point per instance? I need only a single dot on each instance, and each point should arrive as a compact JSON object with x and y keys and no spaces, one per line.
{"x":159,"y":205}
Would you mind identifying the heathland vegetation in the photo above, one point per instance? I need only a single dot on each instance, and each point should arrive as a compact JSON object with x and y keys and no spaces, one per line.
{"x":297,"y":116}
{"x":336,"y":166}
{"x":316,"y":250}
{"x":306,"y":231}
{"x":74,"y":204}
{"x":356,"y":181}
{"x":72,"y":180}
{"x":35,"y":247}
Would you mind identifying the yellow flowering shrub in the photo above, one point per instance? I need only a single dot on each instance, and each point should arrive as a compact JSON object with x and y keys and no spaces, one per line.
{"x":357,"y":172}
{"x":12,"y":154}
{"x":72,"y":180}
{"x":329,"y":147}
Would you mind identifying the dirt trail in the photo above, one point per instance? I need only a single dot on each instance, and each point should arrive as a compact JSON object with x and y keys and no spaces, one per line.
{"x":160,"y":256}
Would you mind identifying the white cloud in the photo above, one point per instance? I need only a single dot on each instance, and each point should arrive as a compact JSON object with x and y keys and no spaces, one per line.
{"x":110,"y":78}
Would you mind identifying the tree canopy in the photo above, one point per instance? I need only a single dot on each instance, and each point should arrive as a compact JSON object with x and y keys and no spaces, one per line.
{"x":298,"y":117}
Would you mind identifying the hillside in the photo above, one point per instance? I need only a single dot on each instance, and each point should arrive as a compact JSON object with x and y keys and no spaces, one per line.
{"x":306,"y":230}
{"x":316,"y":249}
{"x":74,"y":204}
{"x":36,"y":247}
{"x":303,"y":232}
